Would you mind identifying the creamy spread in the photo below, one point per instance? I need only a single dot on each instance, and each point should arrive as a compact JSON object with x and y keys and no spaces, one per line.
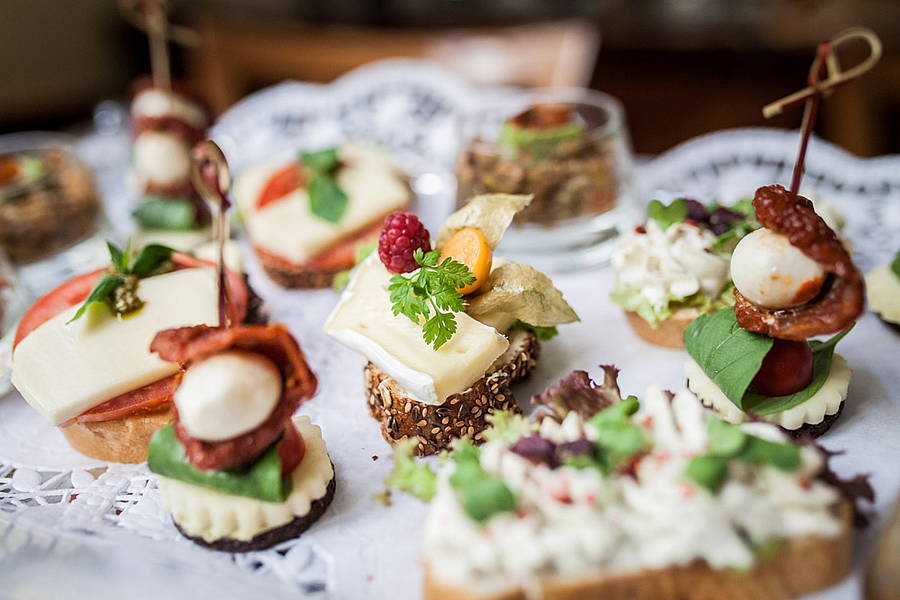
{"x":213,"y":515}
{"x":827,"y":401}
{"x":157,"y":103}
{"x":287,"y":227}
{"x":883,"y":290}
{"x":227,"y":394}
{"x":363,"y":320}
{"x":675,"y":263}
{"x":579,"y":522}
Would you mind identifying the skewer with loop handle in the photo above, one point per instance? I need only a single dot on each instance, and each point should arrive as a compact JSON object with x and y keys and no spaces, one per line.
{"x":826,"y":62}
{"x":212,"y":180}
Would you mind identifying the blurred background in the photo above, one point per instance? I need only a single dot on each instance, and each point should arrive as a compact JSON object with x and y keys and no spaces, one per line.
{"x":681,"y":67}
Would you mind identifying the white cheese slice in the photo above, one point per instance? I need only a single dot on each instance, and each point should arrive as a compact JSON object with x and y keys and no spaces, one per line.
{"x":883,"y":290}
{"x":363,"y":321}
{"x":289,"y":229}
{"x":63,"y":370}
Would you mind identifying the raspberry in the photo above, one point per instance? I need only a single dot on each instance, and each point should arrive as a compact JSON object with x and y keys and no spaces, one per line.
{"x":401,"y":235}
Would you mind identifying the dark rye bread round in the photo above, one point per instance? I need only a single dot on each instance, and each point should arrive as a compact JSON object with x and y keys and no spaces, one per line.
{"x":817,"y":429}
{"x":462,"y":414}
{"x":270,"y":538}
{"x":296,"y":276}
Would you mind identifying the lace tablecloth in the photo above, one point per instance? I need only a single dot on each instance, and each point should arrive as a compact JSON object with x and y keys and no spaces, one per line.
{"x":71,"y":526}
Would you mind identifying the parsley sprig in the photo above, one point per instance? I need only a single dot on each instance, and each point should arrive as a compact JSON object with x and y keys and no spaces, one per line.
{"x":430,"y":293}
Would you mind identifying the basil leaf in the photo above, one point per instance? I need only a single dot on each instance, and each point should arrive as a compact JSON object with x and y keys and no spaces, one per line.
{"x":724,"y":438}
{"x":729,"y":355}
{"x":103,"y":290}
{"x":326,"y":199}
{"x":664,"y":215}
{"x":707,"y":471}
{"x":780,"y":455}
{"x":118,"y":258}
{"x":160,"y":212}
{"x":895,"y":265}
{"x":321,"y":161}
{"x":261,"y":480}
{"x":149,"y":259}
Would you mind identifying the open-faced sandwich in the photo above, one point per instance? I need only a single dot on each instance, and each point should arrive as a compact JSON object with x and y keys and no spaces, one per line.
{"x":883,"y":287}
{"x":674,"y":268}
{"x":793,"y":280}
{"x":445,"y":328}
{"x":81,"y":356}
{"x":237,"y":471}
{"x":604,"y":497}
{"x":47,"y":202}
{"x":167,"y":123}
{"x":305,"y":219}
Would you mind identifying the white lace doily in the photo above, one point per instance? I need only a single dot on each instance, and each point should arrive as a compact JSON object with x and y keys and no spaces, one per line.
{"x":56,"y":504}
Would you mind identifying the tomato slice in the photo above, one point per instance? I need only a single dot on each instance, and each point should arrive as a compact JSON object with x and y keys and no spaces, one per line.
{"x":144,"y":399}
{"x":341,"y":255}
{"x":291,"y":449}
{"x":281,"y":184}
{"x":72,"y":292}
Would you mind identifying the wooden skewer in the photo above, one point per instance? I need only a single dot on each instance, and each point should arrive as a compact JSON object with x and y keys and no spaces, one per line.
{"x":179,"y":34}
{"x":212,"y":180}
{"x":159,"y":45}
{"x":835,"y":77}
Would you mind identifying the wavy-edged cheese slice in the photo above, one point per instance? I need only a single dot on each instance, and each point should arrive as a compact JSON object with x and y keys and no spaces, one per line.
{"x":883,"y":290}
{"x":363,"y":320}
{"x":64,"y":369}
{"x":825,"y":402}
{"x":212,"y":515}
{"x":287,"y":227}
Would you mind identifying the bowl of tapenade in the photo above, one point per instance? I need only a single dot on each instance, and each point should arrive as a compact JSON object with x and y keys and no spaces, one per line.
{"x":568,"y":154}
{"x":48,"y":202}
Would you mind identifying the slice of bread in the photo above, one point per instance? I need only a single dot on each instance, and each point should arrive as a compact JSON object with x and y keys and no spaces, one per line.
{"x":462,"y":414}
{"x":299,"y":276}
{"x":800,"y":566}
{"x":669,"y":333}
{"x":122,"y":440}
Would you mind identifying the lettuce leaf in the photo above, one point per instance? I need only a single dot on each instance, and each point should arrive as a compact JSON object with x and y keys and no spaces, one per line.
{"x":578,"y":392}
{"x":633,"y":300}
{"x":413,"y":477}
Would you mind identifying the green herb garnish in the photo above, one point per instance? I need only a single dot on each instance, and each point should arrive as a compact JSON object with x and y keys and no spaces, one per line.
{"x":118,"y":287}
{"x":482,"y":495}
{"x":727,"y":442}
{"x":617,"y":435}
{"x":507,"y":427}
{"x":540,"y":142}
{"x":326,"y":198}
{"x":541,"y":333}
{"x":161,"y":212}
{"x":412,"y":477}
{"x":895,"y":265}
{"x":360,"y":253}
{"x":667,"y":215}
{"x":430,"y":293}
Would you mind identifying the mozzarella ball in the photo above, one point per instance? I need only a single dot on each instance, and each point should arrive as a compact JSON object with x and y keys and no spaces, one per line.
{"x":772,"y":273}
{"x":227,"y":394}
{"x":161,"y":158}
{"x":158,"y":103}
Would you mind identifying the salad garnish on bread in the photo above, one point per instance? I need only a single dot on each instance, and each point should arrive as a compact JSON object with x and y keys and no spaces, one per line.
{"x":446,"y":329}
{"x":603,"y":496}
{"x":306,"y":218}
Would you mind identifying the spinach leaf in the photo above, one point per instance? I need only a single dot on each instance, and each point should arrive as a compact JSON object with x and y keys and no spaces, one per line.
{"x":101,"y":292}
{"x":261,"y":480}
{"x":664,"y":215}
{"x":159,"y":212}
{"x":729,"y":355}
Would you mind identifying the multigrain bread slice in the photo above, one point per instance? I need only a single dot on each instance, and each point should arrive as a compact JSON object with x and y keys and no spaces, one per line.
{"x":800,"y":566}
{"x":669,"y":333}
{"x":462,"y":414}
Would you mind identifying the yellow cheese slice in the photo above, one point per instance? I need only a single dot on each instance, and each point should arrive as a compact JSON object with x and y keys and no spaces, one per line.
{"x":287,"y":228}
{"x":363,"y":321}
{"x":63,"y":370}
{"x":212,"y":515}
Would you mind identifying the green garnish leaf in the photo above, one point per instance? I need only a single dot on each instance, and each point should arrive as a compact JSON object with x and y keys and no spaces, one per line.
{"x":118,"y":257}
{"x":617,"y":435}
{"x":261,"y":480}
{"x":430,"y":293}
{"x":724,"y":438}
{"x":149,"y":259}
{"x":507,"y":427}
{"x":780,"y":455}
{"x":322,"y":160}
{"x":542,"y":142}
{"x":326,"y":198}
{"x":729,"y":355}
{"x":482,"y":495}
{"x":161,"y":212}
{"x":744,"y":206}
{"x":707,"y":471}
{"x":541,"y":333}
{"x":895,"y":265}
{"x":667,"y":215}
{"x":413,"y":477}
{"x":101,"y":293}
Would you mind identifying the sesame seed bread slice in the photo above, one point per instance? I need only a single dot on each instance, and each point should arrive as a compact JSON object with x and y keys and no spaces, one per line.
{"x":462,"y":414}
{"x":799,"y":567}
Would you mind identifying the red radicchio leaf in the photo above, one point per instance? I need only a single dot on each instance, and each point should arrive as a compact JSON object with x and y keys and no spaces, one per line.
{"x":578,"y":392}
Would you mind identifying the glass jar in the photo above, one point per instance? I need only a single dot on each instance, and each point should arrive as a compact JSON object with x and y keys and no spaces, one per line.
{"x":568,"y":147}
